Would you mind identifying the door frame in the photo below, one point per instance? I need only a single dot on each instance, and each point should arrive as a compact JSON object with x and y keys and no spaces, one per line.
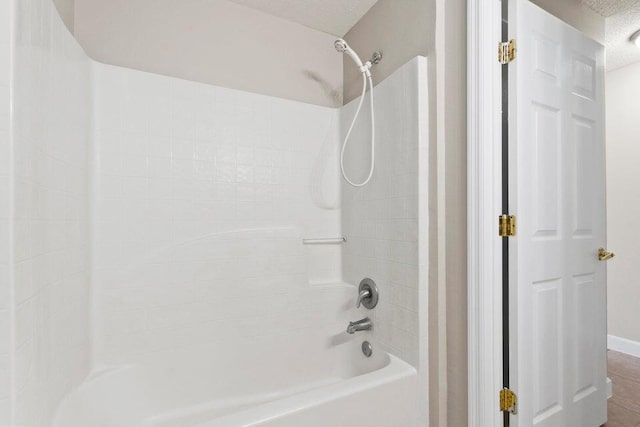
{"x":484,"y":249}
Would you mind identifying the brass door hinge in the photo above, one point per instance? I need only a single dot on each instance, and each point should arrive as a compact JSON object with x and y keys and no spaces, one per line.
{"x":508,"y":401}
{"x":506,"y":51}
{"x":604,"y":255}
{"x":507,"y":225}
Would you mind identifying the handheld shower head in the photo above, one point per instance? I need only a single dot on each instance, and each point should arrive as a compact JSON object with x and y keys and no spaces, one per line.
{"x":343,"y":47}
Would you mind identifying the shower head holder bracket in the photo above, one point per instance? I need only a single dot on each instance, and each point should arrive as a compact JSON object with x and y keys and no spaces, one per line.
{"x":376,"y":57}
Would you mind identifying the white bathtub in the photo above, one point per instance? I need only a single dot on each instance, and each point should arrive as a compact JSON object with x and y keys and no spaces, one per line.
{"x":304,"y":378}
{"x":382,"y":398}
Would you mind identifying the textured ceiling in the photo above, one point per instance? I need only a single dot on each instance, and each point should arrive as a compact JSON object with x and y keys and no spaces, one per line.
{"x":622,"y":19}
{"x":609,"y":7}
{"x":619,"y":28}
{"x":330,"y":16}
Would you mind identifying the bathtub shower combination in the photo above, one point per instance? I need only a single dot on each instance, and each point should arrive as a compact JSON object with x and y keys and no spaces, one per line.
{"x":182,"y":254}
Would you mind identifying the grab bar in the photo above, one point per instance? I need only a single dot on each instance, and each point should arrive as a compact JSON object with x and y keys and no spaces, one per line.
{"x":324,"y":241}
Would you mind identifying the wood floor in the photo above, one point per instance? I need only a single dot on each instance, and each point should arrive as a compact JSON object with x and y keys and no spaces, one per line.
{"x":624,"y":406}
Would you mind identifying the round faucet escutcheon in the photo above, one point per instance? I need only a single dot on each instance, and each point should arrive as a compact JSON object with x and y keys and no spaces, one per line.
{"x":367,"y":294}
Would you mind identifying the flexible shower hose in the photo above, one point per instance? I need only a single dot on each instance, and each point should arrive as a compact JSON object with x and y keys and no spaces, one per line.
{"x":366,"y":77}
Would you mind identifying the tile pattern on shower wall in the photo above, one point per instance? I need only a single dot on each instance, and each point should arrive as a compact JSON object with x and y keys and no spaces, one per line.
{"x":381,"y":220}
{"x":51,"y":131}
{"x":5,"y":156}
{"x":202,"y":196}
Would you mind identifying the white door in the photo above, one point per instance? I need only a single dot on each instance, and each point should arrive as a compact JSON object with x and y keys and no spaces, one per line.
{"x":558,"y":297}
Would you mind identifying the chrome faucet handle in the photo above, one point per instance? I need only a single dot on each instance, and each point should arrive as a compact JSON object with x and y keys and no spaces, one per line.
{"x":365,"y":293}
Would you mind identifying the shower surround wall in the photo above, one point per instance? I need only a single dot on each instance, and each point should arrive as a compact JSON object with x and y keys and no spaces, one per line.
{"x":386,"y":221}
{"x":48,"y":216}
{"x":202,"y":197}
{"x":152,"y":221}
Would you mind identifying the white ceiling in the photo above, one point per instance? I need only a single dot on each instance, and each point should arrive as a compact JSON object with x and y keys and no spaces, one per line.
{"x":330,"y":16}
{"x":622,"y":19}
{"x":619,"y":28}
{"x":609,"y":7}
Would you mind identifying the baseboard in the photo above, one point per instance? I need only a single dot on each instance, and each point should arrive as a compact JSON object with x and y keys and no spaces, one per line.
{"x":623,"y":345}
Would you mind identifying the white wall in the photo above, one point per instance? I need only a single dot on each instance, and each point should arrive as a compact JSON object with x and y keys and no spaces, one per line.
{"x":451,"y":54}
{"x":216,"y":42}
{"x":386,"y":221}
{"x":67,"y":12}
{"x":6,"y":305}
{"x":401,"y":30}
{"x":50,"y":131}
{"x":623,"y":201}
{"x":203,"y":195}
